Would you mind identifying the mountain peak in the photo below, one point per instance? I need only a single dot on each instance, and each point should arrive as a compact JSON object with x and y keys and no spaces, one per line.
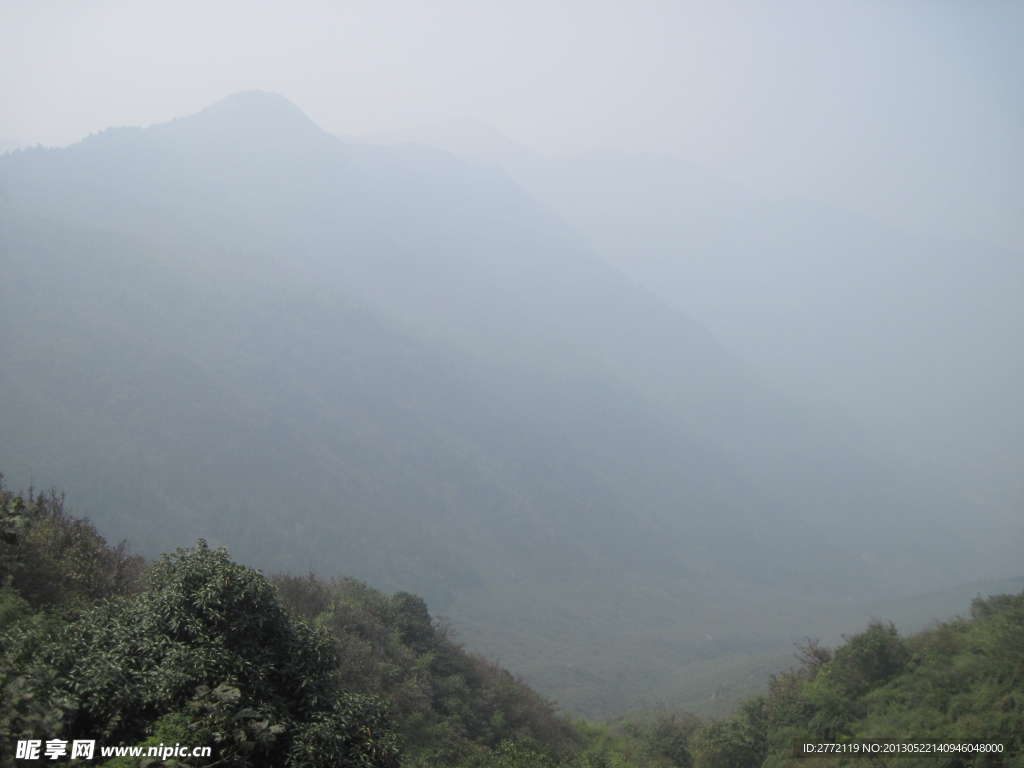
{"x":252,"y":116}
{"x":249,"y":104}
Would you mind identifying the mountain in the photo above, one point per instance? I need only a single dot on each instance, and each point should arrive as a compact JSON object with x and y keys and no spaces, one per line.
{"x":9,"y":145}
{"x":391,"y":363}
{"x":917,"y":339}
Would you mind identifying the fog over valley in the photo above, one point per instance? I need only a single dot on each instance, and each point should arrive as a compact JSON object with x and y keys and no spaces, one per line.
{"x":917,"y":339}
{"x":632,"y":403}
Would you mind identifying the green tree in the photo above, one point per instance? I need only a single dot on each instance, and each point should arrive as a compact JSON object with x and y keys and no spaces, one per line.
{"x":206,"y":640}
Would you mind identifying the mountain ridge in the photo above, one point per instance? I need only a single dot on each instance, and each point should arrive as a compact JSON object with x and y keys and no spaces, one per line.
{"x":917,"y":339}
{"x":392,"y":364}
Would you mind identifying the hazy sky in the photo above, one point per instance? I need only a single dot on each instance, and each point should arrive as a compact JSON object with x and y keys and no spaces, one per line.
{"x":911,"y":112}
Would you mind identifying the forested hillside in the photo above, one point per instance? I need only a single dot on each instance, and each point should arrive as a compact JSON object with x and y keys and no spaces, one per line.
{"x":390,"y":363}
{"x":955,"y":684}
{"x":195,"y":649}
{"x":918,"y":339}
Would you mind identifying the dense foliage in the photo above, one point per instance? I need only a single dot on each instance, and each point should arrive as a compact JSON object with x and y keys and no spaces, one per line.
{"x":450,"y":704}
{"x":51,"y":559}
{"x":197,"y":649}
{"x":299,"y":671}
{"x":204,"y":654}
{"x":960,"y":681}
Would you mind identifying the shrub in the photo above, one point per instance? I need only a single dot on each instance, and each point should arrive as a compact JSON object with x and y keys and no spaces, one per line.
{"x":207,"y":639}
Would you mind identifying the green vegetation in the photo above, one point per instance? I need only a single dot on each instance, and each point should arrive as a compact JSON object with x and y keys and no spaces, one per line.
{"x":198,"y":650}
{"x":957,"y":682}
{"x":153,"y":374}
{"x":300,"y":671}
{"x":51,"y":559}
{"x":448,"y":704}
{"x":390,"y":363}
{"x":203,"y":654}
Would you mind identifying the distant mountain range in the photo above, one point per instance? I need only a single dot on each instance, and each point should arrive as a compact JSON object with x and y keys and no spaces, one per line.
{"x":8,"y":145}
{"x":919,"y":340}
{"x":392,"y":363}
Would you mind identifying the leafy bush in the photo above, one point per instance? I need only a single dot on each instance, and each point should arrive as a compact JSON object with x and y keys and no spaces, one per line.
{"x":209,"y":640}
{"x":449,"y":704}
{"x":670,"y":737}
{"x":55,"y":560}
{"x":959,"y":681}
